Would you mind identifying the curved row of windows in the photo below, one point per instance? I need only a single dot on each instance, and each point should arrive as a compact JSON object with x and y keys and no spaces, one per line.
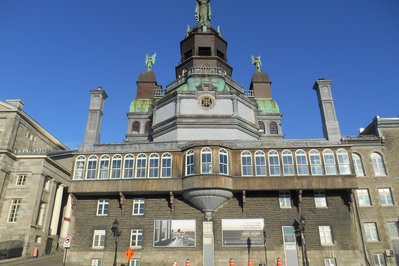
{"x":141,"y":166}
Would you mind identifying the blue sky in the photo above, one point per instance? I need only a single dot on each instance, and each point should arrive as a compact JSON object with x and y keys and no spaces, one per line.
{"x":52,"y":52}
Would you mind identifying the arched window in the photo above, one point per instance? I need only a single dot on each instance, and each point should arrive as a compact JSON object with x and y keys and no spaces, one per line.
{"x":206,"y":161}
{"x":116,"y":169}
{"x":147,"y":127}
{"x":104,"y":167}
{"x":260,"y":163}
{"x":136,"y":127}
{"x":166,"y":168}
{"x":246,"y":163}
{"x":153,"y":168}
{"x":358,"y":164}
{"x":288,"y":163}
{"x":79,"y":168}
{"x":274,"y":163}
{"x":223,"y":162}
{"x":128,"y":166}
{"x":190,"y":162}
{"x":343,"y":162}
{"x":273,"y":128}
{"x":378,"y":164}
{"x":301,"y":162}
{"x":141,"y":165}
{"x":91,"y":167}
{"x":261,"y":126}
{"x":329,"y":162}
{"x":315,"y":162}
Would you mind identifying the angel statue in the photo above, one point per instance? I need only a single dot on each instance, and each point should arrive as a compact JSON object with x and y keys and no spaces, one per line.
{"x":149,"y":61}
{"x":203,"y":12}
{"x":256,"y":61}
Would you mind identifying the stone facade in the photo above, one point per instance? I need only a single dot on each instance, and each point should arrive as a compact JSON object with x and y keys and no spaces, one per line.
{"x":33,"y":184}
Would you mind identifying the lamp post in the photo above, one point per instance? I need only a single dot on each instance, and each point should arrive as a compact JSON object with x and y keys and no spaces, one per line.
{"x":301,"y":227}
{"x":117,"y":233}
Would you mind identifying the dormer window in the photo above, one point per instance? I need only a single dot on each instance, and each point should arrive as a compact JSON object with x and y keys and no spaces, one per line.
{"x":204,"y":51}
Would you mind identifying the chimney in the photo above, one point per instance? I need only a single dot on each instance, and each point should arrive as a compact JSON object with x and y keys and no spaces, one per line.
{"x":92,"y":134}
{"x":327,"y":110}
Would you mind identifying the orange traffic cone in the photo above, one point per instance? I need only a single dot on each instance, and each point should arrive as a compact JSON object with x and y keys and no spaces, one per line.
{"x":231,"y":262}
{"x":35,"y":252}
{"x":250,"y":262}
{"x":188,"y":262}
{"x":279,"y":262}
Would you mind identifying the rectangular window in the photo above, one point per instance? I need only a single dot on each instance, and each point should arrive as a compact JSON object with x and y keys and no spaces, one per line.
{"x":166,"y":165}
{"x":204,"y":51}
{"x":15,"y":208}
{"x":330,"y":262}
{"x":41,"y":215}
{"x":325,"y":235}
{"x":96,"y":262}
{"x":385,"y":196}
{"x":320,"y":199}
{"x":285,"y":199}
{"x":98,"y":239}
{"x":102,"y":207}
{"x":363,"y":197}
{"x":141,"y":166}
{"x":136,"y":238}
{"x":393,"y":230}
{"x":379,"y":260}
{"x":21,"y":180}
{"x":138,"y":207}
{"x":370,"y":230}
{"x":134,"y":262}
{"x":128,"y":166}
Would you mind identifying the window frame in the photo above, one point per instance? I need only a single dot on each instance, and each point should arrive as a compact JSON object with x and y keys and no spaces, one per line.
{"x":326,"y":236}
{"x":315,"y":161}
{"x":223,"y":162}
{"x":141,"y":171}
{"x":330,"y":262}
{"x":285,"y":199}
{"x":96,"y":243}
{"x":21,"y":180}
{"x":80,"y":168}
{"x":14,"y":210}
{"x":330,"y":163}
{"x":358,"y":164}
{"x":153,"y":168}
{"x":274,"y":163}
{"x":343,"y":162}
{"x":190,"y":162}
{"x":287,"y":160}
{"x":206,"y":166}
{"x":131,"y":168}
{"x":371,"y":232}
{"x":260,"y":165}
{"x":378,"y":164}
{"x":166,"y":157}
{"x":116,"y":159}
{"x":138,"y":234}
{"x":246,"y":165}
{"x":102,"y":207}
{"x":92,"y":167}
{"x":363,"y":196}
{"x":381,"y":261}
{"x":300,"y":165}
{"x":138,"y":207}
{"x":103,"y":173}
{"x":320,"y":199}
{"x":388,"y":193}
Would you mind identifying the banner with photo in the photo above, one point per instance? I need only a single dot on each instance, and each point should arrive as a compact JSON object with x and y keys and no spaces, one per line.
{"x":174,"y":233}
{"x":242,"y":232}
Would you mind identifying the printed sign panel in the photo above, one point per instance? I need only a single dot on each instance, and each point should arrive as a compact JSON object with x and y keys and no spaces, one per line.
{"x":174,"y":233}
{"x":242,"y":232}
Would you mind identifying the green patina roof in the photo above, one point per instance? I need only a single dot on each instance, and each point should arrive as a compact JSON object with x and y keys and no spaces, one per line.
{"x":193,"y":83}
{"x":267,"y":106}
{"x":140,"y":106}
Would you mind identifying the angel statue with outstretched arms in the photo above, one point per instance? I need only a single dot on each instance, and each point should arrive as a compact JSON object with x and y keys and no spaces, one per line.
{"x":203,"y":12}
{"x":149,"y":61}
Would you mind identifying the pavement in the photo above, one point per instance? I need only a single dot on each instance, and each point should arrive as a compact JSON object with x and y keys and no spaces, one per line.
{"x":48,"y":260}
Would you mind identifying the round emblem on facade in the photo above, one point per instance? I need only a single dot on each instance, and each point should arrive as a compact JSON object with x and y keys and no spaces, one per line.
{"x":207,"y":101}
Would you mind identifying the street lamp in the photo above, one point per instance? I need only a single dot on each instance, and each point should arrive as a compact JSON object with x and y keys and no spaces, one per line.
{"x":115,"y":230}
{"x":301,"y":227}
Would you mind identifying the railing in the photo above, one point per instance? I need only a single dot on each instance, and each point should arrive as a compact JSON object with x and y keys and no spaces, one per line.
{"x":34,"y":151}
{"x":249,"y":93}
{"x":215,"y":71}
{"x":159,"y":92}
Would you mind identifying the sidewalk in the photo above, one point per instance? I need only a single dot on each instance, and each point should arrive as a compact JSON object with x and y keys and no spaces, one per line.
{"x":51,"y":260}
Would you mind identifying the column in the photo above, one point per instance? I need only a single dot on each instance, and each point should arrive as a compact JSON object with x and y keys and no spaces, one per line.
{"x":208,"y":243}
{"x":56,"y":210}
